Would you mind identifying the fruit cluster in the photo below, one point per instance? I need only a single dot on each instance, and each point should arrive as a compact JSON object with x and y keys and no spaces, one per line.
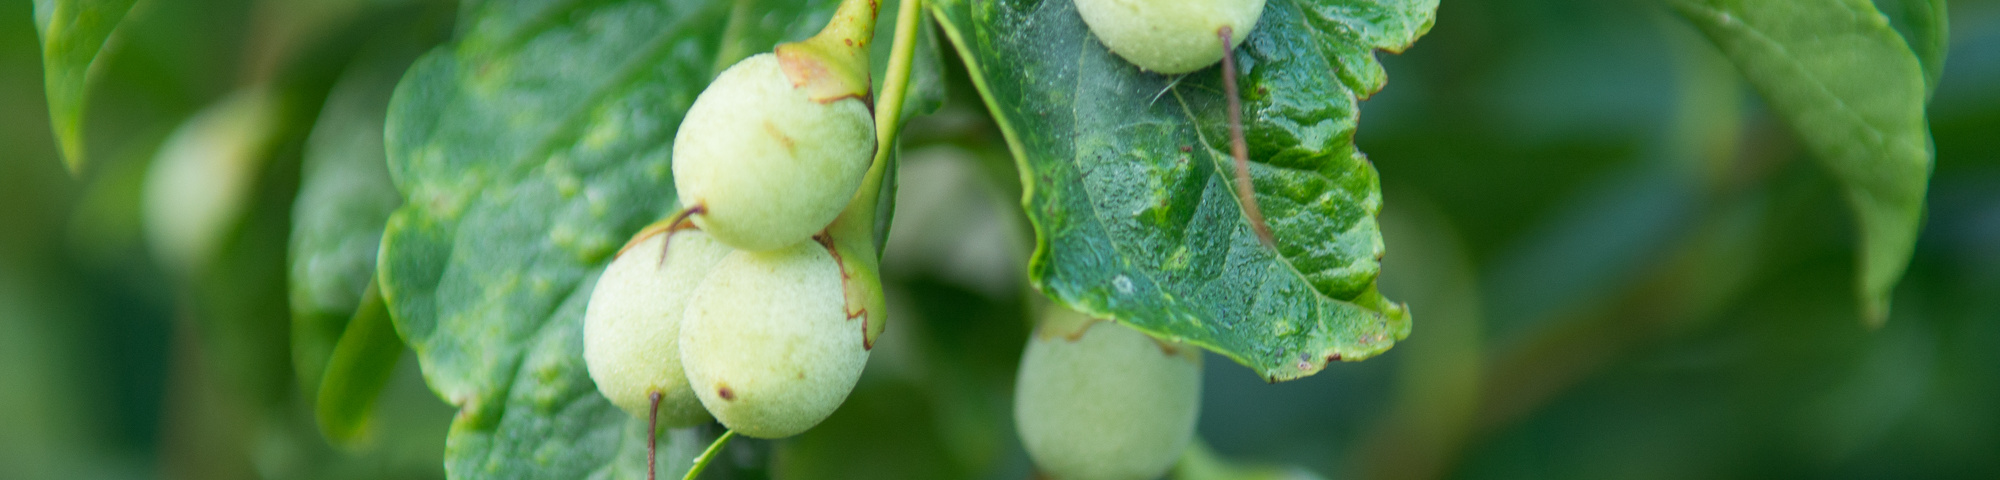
{"x":751,"y":308}
{"x":746,"y":306}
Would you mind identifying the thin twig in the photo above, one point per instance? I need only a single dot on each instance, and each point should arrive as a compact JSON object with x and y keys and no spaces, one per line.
{"x":1245,"y":193}
{"x":684,"y":215}
{"x":701,"y":463}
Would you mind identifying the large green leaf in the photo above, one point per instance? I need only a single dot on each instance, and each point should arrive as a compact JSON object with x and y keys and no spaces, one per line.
{"x":1127,"y":176}
{"x":1846,"y":82}
{"x":73,"y":33}
{"x":527,"y":152}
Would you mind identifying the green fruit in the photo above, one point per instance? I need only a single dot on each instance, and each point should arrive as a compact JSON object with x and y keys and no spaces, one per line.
{"x":768,"y":166}
{"x":768,"y":344}
{"x":204,"y":177}
{"x":631,"y":329}
{"x":1100,"y":401}
{"x":1170,"y":37}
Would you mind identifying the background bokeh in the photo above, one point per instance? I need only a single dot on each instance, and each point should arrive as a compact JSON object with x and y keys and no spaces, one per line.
{"x":1620,"y":265}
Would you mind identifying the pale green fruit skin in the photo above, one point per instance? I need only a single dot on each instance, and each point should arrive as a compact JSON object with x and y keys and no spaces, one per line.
{"x":1169,"y":36}
{"x":1110,"y":405}
{"x":769,"y":165}
{"x":631,"y":328}
{"x":201,"y":182}
{"x":771,"y":330}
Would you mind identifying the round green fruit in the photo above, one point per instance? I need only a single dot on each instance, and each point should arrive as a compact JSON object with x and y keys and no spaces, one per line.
{"x":767,"y":165}
{"x":631,"y":328}
{"x":1170,"y":36}
{"x":767,"y":341}
{"x":204,"y":179}
{"x":1100,"y":401}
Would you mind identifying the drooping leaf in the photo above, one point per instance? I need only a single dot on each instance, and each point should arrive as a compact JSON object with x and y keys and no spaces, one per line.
{"x":527,"y":152}
{"x":74,"y":34}
{"x":1127,"y":176}
{"x":345,"y":197}
{"x":1846,"y":82}
{"x":356,"y":371}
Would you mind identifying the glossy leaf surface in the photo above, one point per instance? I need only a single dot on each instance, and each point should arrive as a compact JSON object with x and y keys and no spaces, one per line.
{"x":1127,"y":176}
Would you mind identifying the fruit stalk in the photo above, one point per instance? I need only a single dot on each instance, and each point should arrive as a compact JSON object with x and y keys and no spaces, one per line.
{"x":701,"y":463}
{"x":1245,"y":193}
{"x":833,"y":64}
{"x":852,"y":234}
{"x":652,"y":434}
{"x":858,"y":221}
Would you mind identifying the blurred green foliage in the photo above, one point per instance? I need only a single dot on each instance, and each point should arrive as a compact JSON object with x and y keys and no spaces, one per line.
{"x":1623,"y":263}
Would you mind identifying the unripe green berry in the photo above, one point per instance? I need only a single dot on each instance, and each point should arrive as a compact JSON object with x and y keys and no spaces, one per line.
{"x":631,"y":328}
{"x":767,"y":165}
{"x":1105,"y":402}
{"x":1169,"y":36}
{"x":768,"y":344}
{"x":203,"y":180}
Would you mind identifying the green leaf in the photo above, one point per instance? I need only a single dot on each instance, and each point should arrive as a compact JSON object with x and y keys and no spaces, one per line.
{"x":527,"y":152}
{"x":74,"y":34}
{"x":1127,"y":176}
{"x":1854,"y":92}
{"x":1929,"y":35}
{"x":357,"y":370}
{"x":345,"y":197}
